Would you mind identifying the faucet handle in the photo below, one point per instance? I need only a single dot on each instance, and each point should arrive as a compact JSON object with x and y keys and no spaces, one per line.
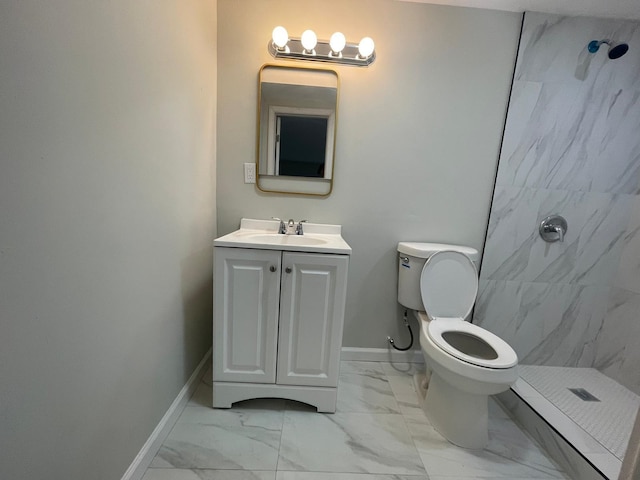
{"x":553,"y":228}
{"x":299,"y":230}
{"x":560,"y":231}
{"x":283,"y":227}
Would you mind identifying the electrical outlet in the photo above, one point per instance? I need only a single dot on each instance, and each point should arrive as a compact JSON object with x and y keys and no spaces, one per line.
{"x":249,"y":173}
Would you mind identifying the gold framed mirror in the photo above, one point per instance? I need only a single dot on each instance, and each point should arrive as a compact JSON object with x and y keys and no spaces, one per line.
{"x":296,"y":129}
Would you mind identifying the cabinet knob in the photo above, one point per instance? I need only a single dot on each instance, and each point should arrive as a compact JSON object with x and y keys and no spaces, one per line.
{"x":288,"y":269}
{"x":272,"y":268}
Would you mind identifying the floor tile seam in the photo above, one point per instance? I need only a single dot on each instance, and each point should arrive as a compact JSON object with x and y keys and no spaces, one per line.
{"x":375,"y":389}
{"x":385,"y":376}
{"x":284,"y":413}
{"x":362,"y":474}
{"x":224,"y":423}
{"x":487,"y":477}
{"x":234,"y":408}
{"x":392,"y":417}
{"x":395,"y":396}
{"x":493,"y":476}
{"x":408,"y":415}
{"x":413,"y":441}
{"x":343,"y":472}
{"x":369,"y":412}
{"x":540,"y":468}
{"x":393,"y":410}
{"x":393,"y":391}
{"x":205,"y":469}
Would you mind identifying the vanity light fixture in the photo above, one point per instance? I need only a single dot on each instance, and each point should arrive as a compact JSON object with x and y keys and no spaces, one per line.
{"x":309,"y":41}
{"x":280,"y":38}
{"x":337,"y":42}
{"x":308,"y":47}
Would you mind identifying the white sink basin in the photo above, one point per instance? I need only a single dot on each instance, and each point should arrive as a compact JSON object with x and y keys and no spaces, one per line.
{"x":263,"y":234}
{"x":286,"y":239}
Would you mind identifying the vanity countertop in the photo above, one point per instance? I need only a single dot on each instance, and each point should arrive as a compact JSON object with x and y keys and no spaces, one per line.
{"x":263,"y":234}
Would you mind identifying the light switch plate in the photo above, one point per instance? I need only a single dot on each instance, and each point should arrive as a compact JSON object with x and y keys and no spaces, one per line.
{"x":249,"y":173}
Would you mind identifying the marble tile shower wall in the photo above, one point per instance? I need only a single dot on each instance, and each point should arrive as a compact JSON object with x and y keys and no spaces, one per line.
{"x":571,"y":147}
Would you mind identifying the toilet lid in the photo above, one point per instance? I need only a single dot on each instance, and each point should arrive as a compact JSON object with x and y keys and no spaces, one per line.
{"x":449,"y":285}
{"x":470,"y":343}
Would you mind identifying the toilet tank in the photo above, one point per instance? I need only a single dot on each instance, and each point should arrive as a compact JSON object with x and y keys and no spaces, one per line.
{"x":412,"y":257}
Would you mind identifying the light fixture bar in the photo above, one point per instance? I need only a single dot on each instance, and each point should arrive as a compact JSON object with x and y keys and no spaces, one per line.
{"x":321,"y":53}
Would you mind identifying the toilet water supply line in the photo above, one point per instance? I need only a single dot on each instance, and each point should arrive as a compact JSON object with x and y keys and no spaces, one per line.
{"x":406,"y":324}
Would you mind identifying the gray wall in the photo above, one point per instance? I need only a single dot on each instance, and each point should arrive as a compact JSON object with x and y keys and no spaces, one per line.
{"x":107,"y":211}
{"x":571,"y":147}
{"x":418,"y":132}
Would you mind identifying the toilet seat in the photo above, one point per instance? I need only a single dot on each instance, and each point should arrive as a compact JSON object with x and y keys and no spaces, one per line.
{"x":449,"y":285}
{"x":505,"y":357}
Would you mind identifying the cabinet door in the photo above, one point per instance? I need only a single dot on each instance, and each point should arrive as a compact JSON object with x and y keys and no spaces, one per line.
{"x":311,"y":318}
{"x":245,"y":313}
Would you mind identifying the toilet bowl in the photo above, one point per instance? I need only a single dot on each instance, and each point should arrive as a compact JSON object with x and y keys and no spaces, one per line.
{"x":467,"y":362}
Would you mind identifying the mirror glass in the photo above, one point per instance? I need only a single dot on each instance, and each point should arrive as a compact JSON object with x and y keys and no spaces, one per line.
{"x":297,"y":115}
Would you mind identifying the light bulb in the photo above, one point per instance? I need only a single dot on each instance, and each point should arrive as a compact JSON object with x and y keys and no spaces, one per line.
{"x":366,"y":46}
{"x":280,"y":37}
{"x":337,"y":42}
{"x":309,"y":40}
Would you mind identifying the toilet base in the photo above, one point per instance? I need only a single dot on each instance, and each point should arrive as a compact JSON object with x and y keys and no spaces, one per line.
{"x":460,"y":417}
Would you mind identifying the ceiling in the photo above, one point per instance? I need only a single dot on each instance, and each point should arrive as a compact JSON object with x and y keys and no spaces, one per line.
{"x":625,"y":9}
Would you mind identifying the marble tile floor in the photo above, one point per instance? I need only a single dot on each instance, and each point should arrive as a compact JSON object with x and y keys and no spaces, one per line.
{"x":378,"y":432}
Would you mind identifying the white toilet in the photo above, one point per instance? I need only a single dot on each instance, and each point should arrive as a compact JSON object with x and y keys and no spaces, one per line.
{"x":439,"y":283}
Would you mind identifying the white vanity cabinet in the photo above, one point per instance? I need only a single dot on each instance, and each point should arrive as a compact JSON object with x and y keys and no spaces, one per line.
{"x":278,"y":321}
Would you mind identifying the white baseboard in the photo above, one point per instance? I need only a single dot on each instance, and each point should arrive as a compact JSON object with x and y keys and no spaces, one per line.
{"x":381,"y":355}
{"x":156,"y":439}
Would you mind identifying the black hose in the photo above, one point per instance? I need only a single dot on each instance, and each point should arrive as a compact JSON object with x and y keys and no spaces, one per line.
{"x":403,"y":349}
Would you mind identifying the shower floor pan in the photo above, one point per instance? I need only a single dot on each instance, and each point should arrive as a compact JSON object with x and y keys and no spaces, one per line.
{"x":590,"y":410}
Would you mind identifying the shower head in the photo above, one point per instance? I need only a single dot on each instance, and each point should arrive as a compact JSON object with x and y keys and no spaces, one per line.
{"x":616,"y":50}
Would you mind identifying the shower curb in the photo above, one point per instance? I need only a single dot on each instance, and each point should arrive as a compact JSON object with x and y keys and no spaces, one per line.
{"x":549,"y":439}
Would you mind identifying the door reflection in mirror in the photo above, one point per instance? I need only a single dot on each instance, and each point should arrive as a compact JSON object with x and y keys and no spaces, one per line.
{"x":301,"y":145}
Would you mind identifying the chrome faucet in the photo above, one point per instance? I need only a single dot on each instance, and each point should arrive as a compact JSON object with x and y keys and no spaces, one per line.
{"x":282,"y":229}
{"x":299,"y":230}
{"x":290,"y":228}
{"x":553,"y":228}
